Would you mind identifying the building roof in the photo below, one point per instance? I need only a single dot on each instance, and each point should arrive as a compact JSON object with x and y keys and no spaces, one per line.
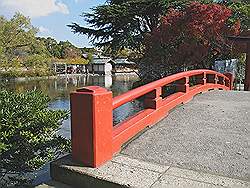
{"x":101,"y":60}
{"x":123,"y":61}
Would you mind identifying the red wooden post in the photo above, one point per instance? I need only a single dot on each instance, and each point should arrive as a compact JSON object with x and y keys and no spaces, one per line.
{"x":187,"y":84}
{"x":153,"y":99}
{"x":91,"y":125}
{"x":182,"y":85}
{"x":201,"y":79}
{"x":204,"y":78}
{"x":216,"y":79}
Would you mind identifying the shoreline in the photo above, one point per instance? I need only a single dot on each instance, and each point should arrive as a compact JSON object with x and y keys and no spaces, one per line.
{"x":62,"y":76}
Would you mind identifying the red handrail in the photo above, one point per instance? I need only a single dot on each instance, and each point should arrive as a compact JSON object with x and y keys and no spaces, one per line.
{"x":95,"y":140}
{"x":140,"y":91}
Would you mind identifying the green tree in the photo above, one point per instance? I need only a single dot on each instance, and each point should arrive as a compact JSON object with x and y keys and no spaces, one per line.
{"x":28,"y":135}
{"x":61,"y":50}
{"x":52,"y":46}
{"x":36,"y":61}
{"x":39,"y":47}
{"x":122,"y":23}
{"x":241,"y":12}
{"x":16,"y":34}
{"x":68,"y":50}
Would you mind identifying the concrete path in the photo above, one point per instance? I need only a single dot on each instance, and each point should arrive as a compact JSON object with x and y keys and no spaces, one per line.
{"x":208,"y":134}
{"x":204,"y":143}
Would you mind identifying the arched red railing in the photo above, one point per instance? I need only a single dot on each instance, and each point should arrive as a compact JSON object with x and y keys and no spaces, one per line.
{"x":95,"y":139}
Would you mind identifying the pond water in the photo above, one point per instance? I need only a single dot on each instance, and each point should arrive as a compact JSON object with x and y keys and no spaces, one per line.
{"x":58,"y":89}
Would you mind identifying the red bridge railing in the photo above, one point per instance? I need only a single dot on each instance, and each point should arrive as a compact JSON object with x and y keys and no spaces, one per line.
{"x":94,"y":138}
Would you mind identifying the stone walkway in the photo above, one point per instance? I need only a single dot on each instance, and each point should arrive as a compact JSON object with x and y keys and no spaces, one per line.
{"x":210,"y":134}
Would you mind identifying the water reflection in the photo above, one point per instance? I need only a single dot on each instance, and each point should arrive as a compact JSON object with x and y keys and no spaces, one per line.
{"x":58,"y":89}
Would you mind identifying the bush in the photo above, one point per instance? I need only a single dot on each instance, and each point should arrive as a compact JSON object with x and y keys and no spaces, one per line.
{"x":28,"y":135}
{"x":78,"y":61}
{"x":15,"y":73}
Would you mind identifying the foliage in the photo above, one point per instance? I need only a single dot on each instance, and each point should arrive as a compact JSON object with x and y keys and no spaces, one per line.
{"x":24,"y":55}
{"x":190,"y":38}
{"x":52,"y":46}
{"x":28,"y":136}
{"x":240,"y":11}
{"x":90,"y":57}
{"x":36,"y":72}
{"x":39,"y":47}
{"x":21,"y":53}
{"x":88,"y":50}
{"x":78,"y":61}
{"x":70,"y":51}
{"x":29,"y":66}
{"x":122,"y":23}
{"x":121,"y":53}
{"x":240,"y":76}
{"x":125,"y":23}
{"x":16,"y":34}
{"x":61,"y":50}
{"x":35,"y":61}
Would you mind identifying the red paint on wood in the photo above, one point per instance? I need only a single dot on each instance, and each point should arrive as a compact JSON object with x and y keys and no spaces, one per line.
{"x":91,"y":125}
{"x":95,"y":140}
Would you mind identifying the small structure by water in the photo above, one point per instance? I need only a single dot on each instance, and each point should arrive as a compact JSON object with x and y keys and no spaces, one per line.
{"x":100,"y":65}
{"x":123,"y":65}
{"x":65,"y":68}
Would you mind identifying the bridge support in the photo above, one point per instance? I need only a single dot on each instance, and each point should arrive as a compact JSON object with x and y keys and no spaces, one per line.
{"x":91,"y":125}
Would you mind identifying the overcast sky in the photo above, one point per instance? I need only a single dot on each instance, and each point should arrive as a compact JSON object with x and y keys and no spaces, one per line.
{"x":52,"y":16}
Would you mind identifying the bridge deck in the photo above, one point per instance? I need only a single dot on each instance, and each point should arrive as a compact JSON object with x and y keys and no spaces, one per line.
{"x":199,"y":144}
{"x":209,"y":134}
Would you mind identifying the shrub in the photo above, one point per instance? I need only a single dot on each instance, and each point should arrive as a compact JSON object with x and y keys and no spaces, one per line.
{"x":28,"y":135}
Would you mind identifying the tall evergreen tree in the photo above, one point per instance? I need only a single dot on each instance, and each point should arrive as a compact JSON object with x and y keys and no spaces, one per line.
{"x":122,"y":23}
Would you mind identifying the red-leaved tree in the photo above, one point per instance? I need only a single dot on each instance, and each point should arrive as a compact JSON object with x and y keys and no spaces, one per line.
{"x":189,"y":39}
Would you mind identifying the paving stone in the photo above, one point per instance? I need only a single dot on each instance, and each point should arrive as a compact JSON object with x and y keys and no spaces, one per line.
{"x":211,"y":134}
{"x":125,"y":160}
{"x":167,"y":181}
{"x":207,"y":178}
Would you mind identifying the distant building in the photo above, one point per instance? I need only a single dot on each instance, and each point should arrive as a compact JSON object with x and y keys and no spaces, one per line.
{"x":64,"y":68}
{"x":123,"y":65}
{"x":100,"y":65}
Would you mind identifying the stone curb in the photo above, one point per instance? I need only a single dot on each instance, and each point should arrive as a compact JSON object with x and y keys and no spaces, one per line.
{"x":123,"y":171}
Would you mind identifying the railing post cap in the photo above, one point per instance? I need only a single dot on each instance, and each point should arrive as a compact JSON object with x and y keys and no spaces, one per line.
{"x":92,"y":89}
